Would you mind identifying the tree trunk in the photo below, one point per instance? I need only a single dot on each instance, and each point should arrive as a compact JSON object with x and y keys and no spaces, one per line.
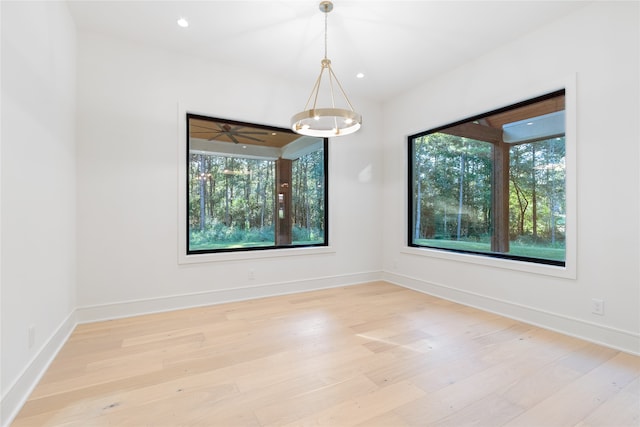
{"x":460,"y":194}
{"x":247,"y":198}
{"x":201,"y":188}
{"x":212,"y":188}
{"x":227,"y":216}
{"x":307,"y":207}
{"x":523,"y":203}
{"x":416,"y":233}
{"x":534,"y":199}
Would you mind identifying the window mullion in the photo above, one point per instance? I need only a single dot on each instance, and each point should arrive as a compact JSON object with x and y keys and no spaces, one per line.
{"x":284,"y":234}
{"x":500,"y":198}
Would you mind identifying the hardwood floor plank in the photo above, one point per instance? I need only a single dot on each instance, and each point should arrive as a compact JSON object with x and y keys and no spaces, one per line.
{"x":286,"y":366}
{"x":584,"y":395}
{"x":359,"y":409}
{"x":388,"y":419}
{"x":623,"y":409}
{"x":493,"y":410}
{"x":191,"y":404}
{"x":307,"y":404}
{"x":456,"y":397}
{"x":114,"y":365}
{"x":373,"y":354}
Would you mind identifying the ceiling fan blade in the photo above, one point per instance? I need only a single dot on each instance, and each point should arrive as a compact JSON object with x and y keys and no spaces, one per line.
{"x":217,"y":134}
{"x":201,"y":127}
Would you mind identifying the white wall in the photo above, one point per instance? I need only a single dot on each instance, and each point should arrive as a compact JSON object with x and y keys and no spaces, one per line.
{"x":122,"y":182}
{"x":38,"y":201}
{"x":599,"y":47}
{"x":128,"y":158}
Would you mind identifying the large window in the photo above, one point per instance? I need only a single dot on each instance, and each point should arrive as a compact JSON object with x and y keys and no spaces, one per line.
{"x":493,"y":184}
{"x":253,"y":187}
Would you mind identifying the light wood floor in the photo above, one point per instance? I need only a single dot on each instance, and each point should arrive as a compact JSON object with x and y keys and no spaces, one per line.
{"x":373,"y":354}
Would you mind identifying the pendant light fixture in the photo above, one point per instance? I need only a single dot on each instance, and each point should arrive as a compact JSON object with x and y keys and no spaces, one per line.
{"x":326,"y":121}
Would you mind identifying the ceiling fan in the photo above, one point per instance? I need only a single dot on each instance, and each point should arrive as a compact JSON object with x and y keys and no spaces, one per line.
{"x":233,"y":133}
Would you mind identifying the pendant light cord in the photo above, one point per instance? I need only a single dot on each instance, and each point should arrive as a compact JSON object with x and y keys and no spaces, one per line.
{"x":326,"y":13}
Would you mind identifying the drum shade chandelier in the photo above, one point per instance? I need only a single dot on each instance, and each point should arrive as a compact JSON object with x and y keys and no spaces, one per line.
{"x":326,"y":121}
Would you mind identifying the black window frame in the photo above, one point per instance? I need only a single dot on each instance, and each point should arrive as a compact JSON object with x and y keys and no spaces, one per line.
{"x":325,"y":143}
{"x":410,"y":184}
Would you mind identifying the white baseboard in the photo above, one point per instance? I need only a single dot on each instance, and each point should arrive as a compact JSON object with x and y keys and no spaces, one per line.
{"x":618,"y":339}
{"x":117,"y":310}
{"x":16,"y":395}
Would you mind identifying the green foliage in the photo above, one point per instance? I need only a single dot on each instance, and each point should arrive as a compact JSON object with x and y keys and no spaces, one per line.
{"x":308,"y":192}
{"x":551,"y":252}
{"x":308,"y":235}
{"x":232,"y":201}
{"x":452,"y":193}
{"x":217,"y":235}
{"x":443,"y":166}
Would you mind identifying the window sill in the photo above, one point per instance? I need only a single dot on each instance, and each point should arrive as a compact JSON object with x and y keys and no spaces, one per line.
{"x":567,"y":272}
{"x":249,"y":255}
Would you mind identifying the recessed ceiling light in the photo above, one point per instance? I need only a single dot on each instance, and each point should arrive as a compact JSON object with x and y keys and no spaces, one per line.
{"x":182,"y":22}
{"x":360,"y":75}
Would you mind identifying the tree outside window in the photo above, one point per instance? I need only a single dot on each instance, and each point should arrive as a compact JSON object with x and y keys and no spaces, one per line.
{"x":493,"y":184}
{"x":253,"y":187}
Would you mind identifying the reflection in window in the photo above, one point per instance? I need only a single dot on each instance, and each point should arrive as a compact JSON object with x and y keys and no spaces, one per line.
{"x":493,"y":184}
{"x":253,"y":187}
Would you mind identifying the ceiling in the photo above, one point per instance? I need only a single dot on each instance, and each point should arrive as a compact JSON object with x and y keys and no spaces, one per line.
{"x":533,"y":121}
{"x":228,"y":131}
{"x":395,"y":44}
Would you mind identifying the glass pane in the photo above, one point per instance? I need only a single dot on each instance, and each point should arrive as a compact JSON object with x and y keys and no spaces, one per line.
{"x":452,"y":192}
{"x":308,"y":194}
{"x":493,"y":184}
{"x":253,"y":187}
{"x":537,"y":199}
{"x":230,"y":202}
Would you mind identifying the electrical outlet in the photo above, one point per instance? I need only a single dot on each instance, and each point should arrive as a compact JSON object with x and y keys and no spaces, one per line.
{"x":597,"y":306}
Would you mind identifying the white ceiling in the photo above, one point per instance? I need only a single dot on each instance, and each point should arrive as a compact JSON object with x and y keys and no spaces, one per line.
{"x":396,"y":44}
